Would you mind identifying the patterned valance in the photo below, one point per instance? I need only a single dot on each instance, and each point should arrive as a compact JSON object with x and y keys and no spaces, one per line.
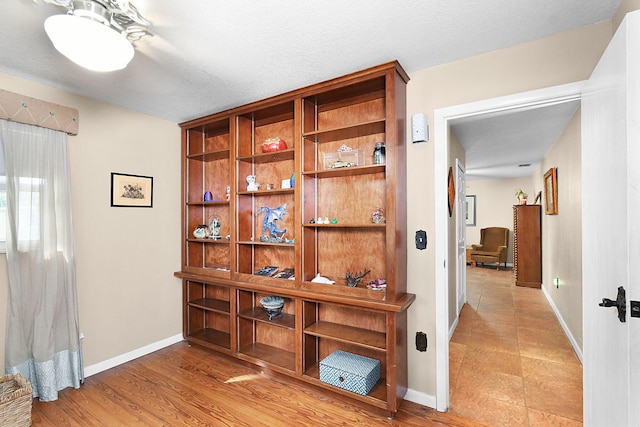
{"x":32,"y":111}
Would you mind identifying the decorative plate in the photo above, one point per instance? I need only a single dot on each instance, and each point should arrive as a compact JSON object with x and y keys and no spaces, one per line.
{"x":452,"y":191}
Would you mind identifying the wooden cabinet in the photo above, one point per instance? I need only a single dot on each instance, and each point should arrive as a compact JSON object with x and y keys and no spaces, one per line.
{"x":527,"y":245}
{"x":341,"y":121}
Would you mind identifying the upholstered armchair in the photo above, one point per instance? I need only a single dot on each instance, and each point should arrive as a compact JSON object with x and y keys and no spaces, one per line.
{"x":494,"y":242}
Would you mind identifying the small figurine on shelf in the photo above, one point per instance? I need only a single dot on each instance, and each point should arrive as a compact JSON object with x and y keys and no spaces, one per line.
{"x":252,"y":185}
{"x":521,"y":196}
{"x":201,"y":232}
{"x":208,"y":197}
{"x":322,"y":279}
{"x":377,"y":285}
{"x":273,"y":144}
{"x":334,"y":220}
{"x":214,"y":227}
{"x":319,"y":220}
{"x":354,"y":278}
{"x":269,"y":229}
{"x":378,"y":216}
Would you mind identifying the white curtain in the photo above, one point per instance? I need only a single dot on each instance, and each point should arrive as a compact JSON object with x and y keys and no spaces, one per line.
{"x":42,"y":342}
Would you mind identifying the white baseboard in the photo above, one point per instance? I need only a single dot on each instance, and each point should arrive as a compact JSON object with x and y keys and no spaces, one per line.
{"x":453,"y":327}
{"x":566,"y":329}
{"x":421,"y":398}
{"x":127,"y":357}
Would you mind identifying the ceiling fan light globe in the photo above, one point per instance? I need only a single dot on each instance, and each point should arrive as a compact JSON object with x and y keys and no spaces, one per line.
{"x":89,"y":43}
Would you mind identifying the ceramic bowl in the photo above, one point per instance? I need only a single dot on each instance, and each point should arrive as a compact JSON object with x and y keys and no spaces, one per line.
{"x":272,"y":302}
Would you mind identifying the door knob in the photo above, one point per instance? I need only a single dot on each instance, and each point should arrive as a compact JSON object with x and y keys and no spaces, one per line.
{"x":620,"y":302}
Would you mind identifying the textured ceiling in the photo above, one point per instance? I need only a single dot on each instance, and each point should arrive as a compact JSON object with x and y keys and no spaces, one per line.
{"x":210,"y":55}
{"x":511,"y":143}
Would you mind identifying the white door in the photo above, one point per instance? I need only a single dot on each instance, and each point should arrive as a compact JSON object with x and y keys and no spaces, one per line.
{"x":461,"y":230}
{"x":611,"y":230}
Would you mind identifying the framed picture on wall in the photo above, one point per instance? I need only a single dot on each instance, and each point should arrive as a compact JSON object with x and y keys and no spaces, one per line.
{"x":131,"y":190}
{"x":551,"y":192}
{"x":471,"y":210}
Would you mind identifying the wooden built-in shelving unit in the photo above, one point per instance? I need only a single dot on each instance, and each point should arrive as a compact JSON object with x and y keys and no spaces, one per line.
{"x":221,"y":290}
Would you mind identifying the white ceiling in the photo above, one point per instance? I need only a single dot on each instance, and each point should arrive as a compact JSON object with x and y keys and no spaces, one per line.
{"x":210,"y":55}
{"x":510,"y":144}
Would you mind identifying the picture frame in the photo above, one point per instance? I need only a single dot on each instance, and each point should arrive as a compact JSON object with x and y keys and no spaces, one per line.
{"x":538,"y":197}
{"x":131,"y":190}
{"x":551,"y":192}
{"x":471,"y":210}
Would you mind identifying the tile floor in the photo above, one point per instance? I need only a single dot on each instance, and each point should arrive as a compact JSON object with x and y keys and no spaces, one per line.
{"x":510,"y":362}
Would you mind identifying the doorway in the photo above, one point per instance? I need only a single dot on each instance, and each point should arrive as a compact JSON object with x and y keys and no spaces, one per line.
{"x":442,"y":120}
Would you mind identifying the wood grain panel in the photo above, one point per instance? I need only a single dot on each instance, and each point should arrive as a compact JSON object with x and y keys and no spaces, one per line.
{"x":352,"y":199}
{"x":351,"y":250}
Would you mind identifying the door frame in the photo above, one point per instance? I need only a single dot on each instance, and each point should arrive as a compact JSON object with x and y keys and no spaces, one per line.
{"x":442,"y":116}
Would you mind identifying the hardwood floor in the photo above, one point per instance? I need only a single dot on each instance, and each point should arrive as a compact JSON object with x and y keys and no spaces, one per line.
{"x":184,"y":385}
{"x":511,"y":363}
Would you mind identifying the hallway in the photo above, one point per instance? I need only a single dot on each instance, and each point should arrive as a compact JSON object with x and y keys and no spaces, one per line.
{"x":510,"y":362}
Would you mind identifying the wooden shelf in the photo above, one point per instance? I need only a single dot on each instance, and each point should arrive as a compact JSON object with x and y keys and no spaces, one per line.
{"x":211,"y":304}
{"x":257,"y":242}
{"x":259,"y":314}
{"x":266,"y":192}
{"x":349,"y":334}
{"x":346,"y":132}
{"x":210,"y":241}
{"x":210,"y":156}
{"x":351,"y":171}
{"x":270,"y":355}
{"x":339,"y":225}
{"x":276,"y":156}
{"x":212,"y":336}
{"x":213,"y":203}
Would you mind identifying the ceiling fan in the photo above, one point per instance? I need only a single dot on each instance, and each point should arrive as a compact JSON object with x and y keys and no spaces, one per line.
{"x":96,"y":34}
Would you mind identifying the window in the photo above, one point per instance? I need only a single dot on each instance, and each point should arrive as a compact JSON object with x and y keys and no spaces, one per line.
{"x":29,"y":221}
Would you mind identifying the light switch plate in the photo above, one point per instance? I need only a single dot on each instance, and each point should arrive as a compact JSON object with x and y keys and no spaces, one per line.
{"x":421,"y":239}
{"x":421,"y":341}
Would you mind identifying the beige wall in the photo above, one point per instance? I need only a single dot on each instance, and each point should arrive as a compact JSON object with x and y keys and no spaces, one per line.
{"x":560,"y":59}
{"x":127,"y":295}
{"x":562,"y":233}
